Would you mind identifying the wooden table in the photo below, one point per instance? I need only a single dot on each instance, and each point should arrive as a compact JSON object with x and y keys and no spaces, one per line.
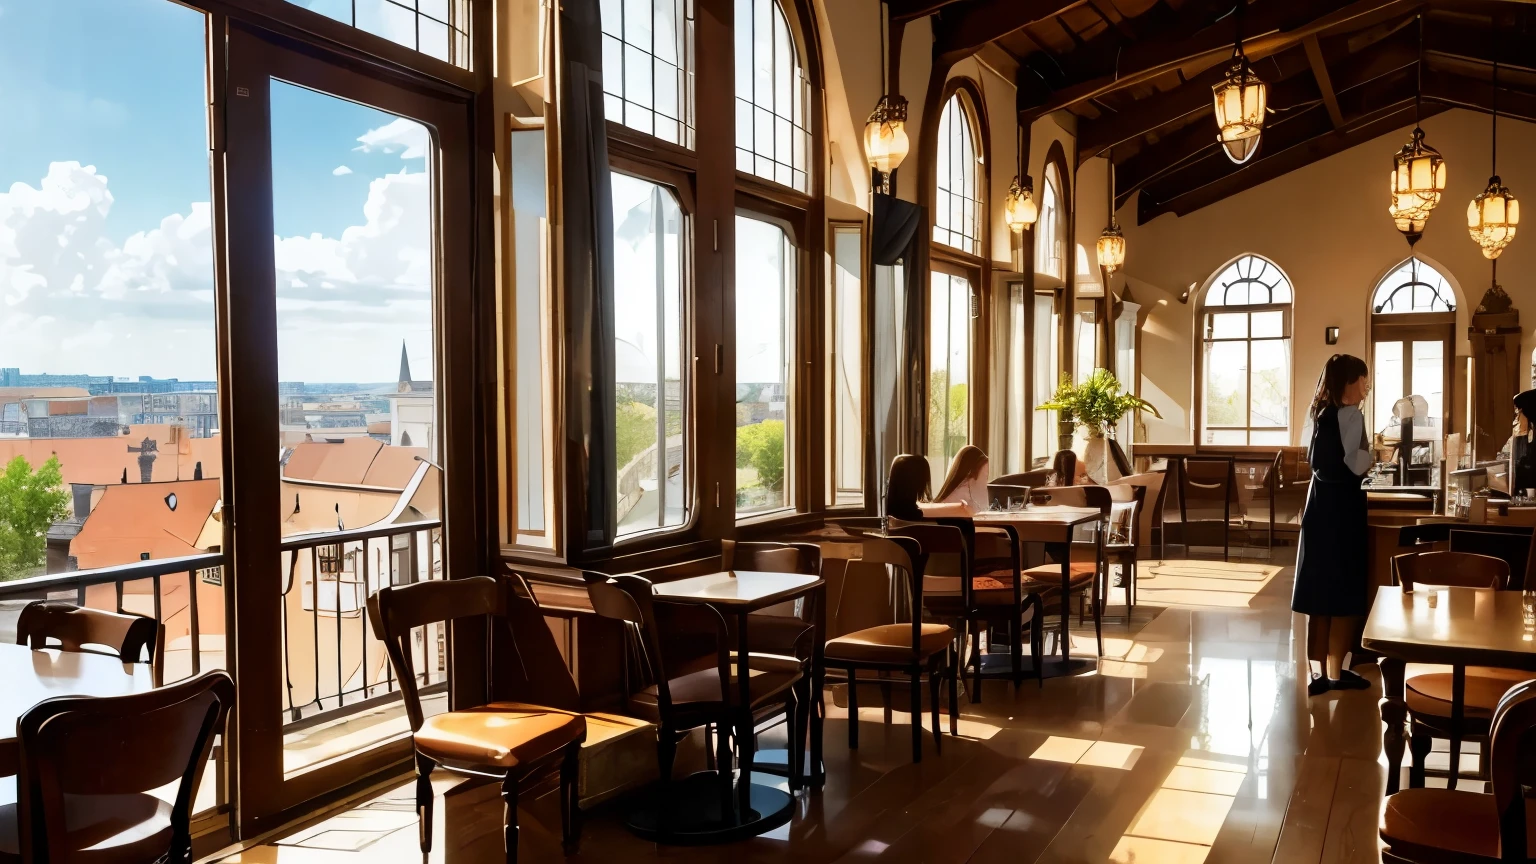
{"x":1052,"y":525}
{"x":28,"y":677}
{"x":1468,"y":627}
{"x":741,"y":592}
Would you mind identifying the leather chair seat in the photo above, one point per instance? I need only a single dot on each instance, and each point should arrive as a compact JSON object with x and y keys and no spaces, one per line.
{"x":1082,"y":573}
{"x":1440,"y":826}
{"x":1430,"y":694}
{"x":703,"y":688}
{"x":131,"y":827}
{"x":503,"y":734}
{"x":890,"y":643}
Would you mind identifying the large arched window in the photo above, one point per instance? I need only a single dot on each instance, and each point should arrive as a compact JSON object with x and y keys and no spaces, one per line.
{"x":648,"y":67}
{"x":957,"y":202}
{"x":1051,"y":228}
{"x":772,"y":96}
{"x":1413,"y":324}
{"x":1245,"y":325}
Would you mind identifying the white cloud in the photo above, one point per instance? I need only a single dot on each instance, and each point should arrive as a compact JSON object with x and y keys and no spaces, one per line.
{"x":406,"y":137}
{"x":341,"y":171}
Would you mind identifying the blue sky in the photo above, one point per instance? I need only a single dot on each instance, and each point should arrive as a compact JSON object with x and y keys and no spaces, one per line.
{"x":104,"y":178}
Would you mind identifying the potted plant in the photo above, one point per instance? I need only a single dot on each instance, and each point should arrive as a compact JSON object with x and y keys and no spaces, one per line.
{"x":1096,"y":405}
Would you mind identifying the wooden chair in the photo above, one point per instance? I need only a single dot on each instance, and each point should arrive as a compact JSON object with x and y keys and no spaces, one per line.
{"x":885,"y":644}
{"x":1087,"y":563}
{"x":56,"y":624}
{"x":1431,"y":826}
{"x":1040,"y":477}
{"x":1456,"y":705}
{"x":89,"y":766}
{"x":1124,"y":538}
{"x":507,"y":741}
{"x":1149,"y":520}
{"x":681,"y":697}
{"x":1208,"y":484}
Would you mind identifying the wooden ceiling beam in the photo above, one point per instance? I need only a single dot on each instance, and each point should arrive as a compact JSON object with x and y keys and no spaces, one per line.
{"x":1457,"y":38}
{"x":1269,"y":26}
{"x":1460,"y":91}
{"x":1371,"y":110}
{"x":1324,"y":82}
{"x":962,"y":31}
{"x":911,"y":10}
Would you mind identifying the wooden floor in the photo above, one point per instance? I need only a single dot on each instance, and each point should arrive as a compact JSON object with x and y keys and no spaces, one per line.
{"x":1194,"y":742}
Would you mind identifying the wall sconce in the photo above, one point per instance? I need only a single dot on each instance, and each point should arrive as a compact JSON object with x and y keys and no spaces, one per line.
{"x":1331,"y":335}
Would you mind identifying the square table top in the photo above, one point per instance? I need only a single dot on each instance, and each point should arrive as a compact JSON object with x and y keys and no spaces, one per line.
{"x":1047,"y":514}
{"x":1471,"y":626}
{"x":738,"y":589}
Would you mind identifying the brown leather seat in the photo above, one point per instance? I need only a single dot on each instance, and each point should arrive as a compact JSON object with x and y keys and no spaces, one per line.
{"x":890,"y":642}
{"x":1430,"y":826}
{"x":1430,"y":694}
{"x":703,"y":688}
{"x":133,"y":827}
{"x":503,"y":734}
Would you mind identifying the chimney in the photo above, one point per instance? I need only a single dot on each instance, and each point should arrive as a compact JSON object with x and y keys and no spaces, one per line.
{"x":197,"y":471}
{"x":80,"y":493}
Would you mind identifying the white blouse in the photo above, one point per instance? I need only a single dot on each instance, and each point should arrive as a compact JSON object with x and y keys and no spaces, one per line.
{"x":1357,"y":454}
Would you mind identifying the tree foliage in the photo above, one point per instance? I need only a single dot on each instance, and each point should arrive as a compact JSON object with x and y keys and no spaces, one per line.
{"x":760,"y":446}
{"x":30,"y":501}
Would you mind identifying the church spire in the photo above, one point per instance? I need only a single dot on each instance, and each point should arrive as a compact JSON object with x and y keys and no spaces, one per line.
{"x":405,"y":369}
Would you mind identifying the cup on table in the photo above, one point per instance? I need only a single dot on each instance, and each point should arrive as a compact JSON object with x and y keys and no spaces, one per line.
{"x":1528,"y":610}
{"x":1434,"y":599}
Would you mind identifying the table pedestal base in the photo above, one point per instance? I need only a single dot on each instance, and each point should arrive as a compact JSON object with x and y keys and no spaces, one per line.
{"x":694,"y":818}
{"x":1001,"y":666}
{"x":776,"y":762}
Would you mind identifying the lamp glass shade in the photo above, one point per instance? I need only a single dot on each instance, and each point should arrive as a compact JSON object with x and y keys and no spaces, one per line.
{"x":1019,"y":209}
{"x":1111,"y":249}
{"x":885,"y":135}
{"x":1418,"y":178}
{"x":1492,"y":218}
{"x":1241,"y":100}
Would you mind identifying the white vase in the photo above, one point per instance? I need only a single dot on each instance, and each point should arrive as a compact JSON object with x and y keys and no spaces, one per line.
{"x":1096,"y":459}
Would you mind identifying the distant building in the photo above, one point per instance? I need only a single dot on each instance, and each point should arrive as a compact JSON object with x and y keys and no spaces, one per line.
{"x":412,"y":410}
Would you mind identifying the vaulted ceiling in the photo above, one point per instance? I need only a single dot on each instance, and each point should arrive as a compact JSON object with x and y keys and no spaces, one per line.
{"x":1138,"y":75}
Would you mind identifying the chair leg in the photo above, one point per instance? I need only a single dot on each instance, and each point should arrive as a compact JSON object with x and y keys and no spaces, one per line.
{"x":666,"y":754}
{"x":806,"y":699}
{"x":917,"y":714}
{"x":424,"y":768}
{"x":885,"y":699}
{"x":570,"y":804}
{"x":934,"y":676}
{"x":1455,"y":763}
{"x":1419,"y":745}
{"x":709,"y":747}
{"x":853,"y":710}
{"x":1037,"y":646}
{"x":794,"y":756}
{"x":976,"y":662}
{"x":954,"y":691}
{"x":819,"y":706}
{"x":509,"y":800}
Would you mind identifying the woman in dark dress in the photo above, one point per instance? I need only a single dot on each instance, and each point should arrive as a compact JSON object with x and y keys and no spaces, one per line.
{"x":1331,"y":580}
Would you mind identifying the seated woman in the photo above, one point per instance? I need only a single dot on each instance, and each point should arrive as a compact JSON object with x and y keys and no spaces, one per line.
{"x":1067,"y":470}
{"x":906,"y":492}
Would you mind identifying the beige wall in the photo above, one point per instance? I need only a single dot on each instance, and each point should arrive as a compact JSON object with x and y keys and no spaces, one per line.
{"x":1326,"y":226}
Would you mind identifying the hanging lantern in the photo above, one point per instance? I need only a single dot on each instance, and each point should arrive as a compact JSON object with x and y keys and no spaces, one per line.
{"x":1019,"y":209}
{"x":1492,"y":217}
{"x":1410,"y":224}
{"x":1241,"y":100}
{"x":1112,"y":248}
{"x":885,"y":136}
{"x":1418,"y":178}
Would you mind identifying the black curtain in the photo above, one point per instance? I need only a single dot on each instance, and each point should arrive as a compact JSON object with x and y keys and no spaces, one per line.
{"x":587,"y":205}
{"x":898,"y":237}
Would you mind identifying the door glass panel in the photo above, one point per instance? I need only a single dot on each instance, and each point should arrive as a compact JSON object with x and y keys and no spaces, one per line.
{"x":765,"y":268}
{"x":949,"y":364}
{"x":1047,"y":362}
{"x":649,"y":437}
{"x":1386,"y":381}
{"x":1429,"y":381}
{"x":1269,"y":379}
{"x":845,"y":322}
{"x":352,"y":208}
{"x":1226,"y":387}
{"x":1016,"y":395}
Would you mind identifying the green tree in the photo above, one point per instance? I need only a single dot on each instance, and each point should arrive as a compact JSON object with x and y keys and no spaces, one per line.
{"x":951,"y":403}
{"x":760,"y":446}
{"x":634,"y":430}
{"x":30,"y":501}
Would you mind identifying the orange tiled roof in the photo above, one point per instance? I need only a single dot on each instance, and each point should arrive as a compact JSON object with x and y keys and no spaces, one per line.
{"x":353,"y":462}
{"x":133,"y":519}
{"x":103,"y":461}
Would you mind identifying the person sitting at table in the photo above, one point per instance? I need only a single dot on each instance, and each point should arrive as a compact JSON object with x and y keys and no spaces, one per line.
{"x":965,"y":484}
{"x":1330,"y":587}
{"x":906,"y":492}
{"x":1068,"y":470}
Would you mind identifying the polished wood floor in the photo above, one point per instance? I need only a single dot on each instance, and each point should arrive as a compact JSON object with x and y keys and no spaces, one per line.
{"x":1194,"y":742}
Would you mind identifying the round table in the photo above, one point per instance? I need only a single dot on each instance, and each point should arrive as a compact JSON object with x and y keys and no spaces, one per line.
{"x":31,"y":676}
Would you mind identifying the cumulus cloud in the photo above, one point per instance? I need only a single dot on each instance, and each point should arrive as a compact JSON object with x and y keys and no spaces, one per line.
{"x":341,"y":171}
{"x":406,"y":137}
{"x":72,"y":300}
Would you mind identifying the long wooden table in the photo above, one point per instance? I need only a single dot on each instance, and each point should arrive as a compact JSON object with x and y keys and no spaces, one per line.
{"x":1467,"y":627}
{"x":28,"y":677}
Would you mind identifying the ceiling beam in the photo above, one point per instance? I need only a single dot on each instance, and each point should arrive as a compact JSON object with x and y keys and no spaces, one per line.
{"x":1459,"y":38}
{"x":1371,"y":110}
{"x":962,"y":31}
{"x":1382,"y":59}
{"x":1324,"y":83}
{"x":910,"y":10}
{"x":1269,"y":26}
{"x":1460,"y":91}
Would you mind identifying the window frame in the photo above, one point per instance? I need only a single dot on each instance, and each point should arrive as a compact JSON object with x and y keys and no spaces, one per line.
{"x":1204,"y":326}
{"x":687,"y":60}
{"x":805,"y":91}
{"x":1416,"y":326}
{"x":832,"y":323}
{"x":968,"y":130}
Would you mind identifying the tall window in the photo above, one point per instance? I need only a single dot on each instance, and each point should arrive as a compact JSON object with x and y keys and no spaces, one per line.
{"x":772,"y":97}
{"x":1015,"y":387}
{"x":650,"y":437}
{"x":949,"y":369}
{"x":1413,"y":320}
{"x":957,"y":205}
{"x":1051,"y":227}
{"x":765,"y":290}
{"x":437,"y":28}
{"x":1047,"y":348}
{"x":845,"y":345}
{"x":648,"y":66}
{"x":1246,"y":329}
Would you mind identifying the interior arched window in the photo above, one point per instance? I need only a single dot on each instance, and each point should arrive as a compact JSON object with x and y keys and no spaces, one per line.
{"x":1413,"y":323}
{"x":957,"y":204}
{"x":1051,"y":230}
{"x":772,"y":96}
{"x":1246,"y":374}
{"x":648,"y":67}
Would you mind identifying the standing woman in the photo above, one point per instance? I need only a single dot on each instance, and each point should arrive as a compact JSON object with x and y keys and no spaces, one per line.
{"x":1331,"y":584}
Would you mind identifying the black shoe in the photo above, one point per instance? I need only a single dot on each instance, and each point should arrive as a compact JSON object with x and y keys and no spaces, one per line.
{"x":1318,"y":686}
{"x":1350,"y":681}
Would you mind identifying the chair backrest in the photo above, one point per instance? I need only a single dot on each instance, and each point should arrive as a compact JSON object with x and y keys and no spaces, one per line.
{"x":1209,"y":482}
{"x":1512,"y":765}
{"x":1025,"y":478}
{"x":1117,"y":455}
{"x":1097,"y":497}
{"x":76,"y":628}
{"x":396,"y":610}
{"x":540,"y":675}
{"x":1151,"y":509}
{"x":630,"y":600}
{"x":1455,"y":569}
{"x":74,"y":748}
{"x":883,"y":584}
{"x":1125,"y":520}
{"x":946,"y":554}
{"x":802,"y":558}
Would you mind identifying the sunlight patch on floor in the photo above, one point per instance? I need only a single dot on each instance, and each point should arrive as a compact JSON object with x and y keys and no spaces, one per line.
{"x":1096,"y":754}
{"x":1181,"y":820}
